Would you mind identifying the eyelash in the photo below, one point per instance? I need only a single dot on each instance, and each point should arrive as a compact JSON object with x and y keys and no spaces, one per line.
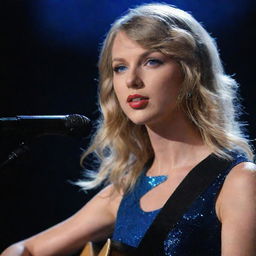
{"x":155,"y":61}
{"x":117,"y":68}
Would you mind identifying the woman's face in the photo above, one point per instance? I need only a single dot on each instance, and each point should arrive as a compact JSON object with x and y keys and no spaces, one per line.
{"x":146,"y":82}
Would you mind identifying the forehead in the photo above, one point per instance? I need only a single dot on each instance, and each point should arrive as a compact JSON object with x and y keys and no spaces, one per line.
{"x":123,"y":45}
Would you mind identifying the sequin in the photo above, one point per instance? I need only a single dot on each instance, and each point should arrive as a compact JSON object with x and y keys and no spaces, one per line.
{"x":197,"y":233}
{"x":130,"y":215}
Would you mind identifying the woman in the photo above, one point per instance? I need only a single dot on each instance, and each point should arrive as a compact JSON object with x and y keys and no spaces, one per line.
{"x":166,"y":107}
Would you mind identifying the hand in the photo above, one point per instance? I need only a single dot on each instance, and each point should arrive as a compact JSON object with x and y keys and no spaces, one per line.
{"x":16,"y":250}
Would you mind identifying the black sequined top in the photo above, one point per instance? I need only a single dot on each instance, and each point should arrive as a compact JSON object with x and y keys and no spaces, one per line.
{"x":197,"y":233}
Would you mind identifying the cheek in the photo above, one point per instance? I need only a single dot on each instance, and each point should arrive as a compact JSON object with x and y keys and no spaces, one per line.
{"x":120,"y":95}
{"x":169,"y":87}
{"x":116,"y":91}
{"x":173,"y":81}
{"x":168,"y":92}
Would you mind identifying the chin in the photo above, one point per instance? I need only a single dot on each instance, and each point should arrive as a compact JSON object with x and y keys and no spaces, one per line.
{"x":136,"y":121}
{"x":140,"y":120}
{"x":142,"y":117}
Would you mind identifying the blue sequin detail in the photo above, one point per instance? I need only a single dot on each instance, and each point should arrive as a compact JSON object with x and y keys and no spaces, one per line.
{"x":198,"y":231}
{"x":131,"y":218}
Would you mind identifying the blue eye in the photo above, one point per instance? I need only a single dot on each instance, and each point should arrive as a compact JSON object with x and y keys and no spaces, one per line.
{"x":119,"y":69}
{"x":154,"y":62}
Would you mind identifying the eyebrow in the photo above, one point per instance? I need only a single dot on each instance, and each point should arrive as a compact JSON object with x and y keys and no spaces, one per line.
{"x":143,"y":55}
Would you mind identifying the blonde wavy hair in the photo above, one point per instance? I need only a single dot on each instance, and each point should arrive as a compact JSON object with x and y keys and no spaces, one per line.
{"x":208,"y":96}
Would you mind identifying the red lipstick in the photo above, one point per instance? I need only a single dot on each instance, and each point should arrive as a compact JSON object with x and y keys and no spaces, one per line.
{"x":137,"y":101}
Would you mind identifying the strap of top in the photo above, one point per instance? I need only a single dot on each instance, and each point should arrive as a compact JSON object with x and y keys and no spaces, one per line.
{"x":198,"y":179}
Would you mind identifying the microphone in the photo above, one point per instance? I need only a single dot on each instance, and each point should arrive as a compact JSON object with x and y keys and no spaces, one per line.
{"x":70,"y":125}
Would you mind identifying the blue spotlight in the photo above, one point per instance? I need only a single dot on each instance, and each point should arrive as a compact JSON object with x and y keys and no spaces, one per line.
{"x":78,"y":24}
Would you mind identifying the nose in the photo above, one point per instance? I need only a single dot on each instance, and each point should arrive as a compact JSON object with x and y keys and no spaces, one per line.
{"x":133,"y":79}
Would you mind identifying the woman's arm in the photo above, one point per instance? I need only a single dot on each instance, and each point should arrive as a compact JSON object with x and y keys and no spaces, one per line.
{"x":93,"y":222}
{"x":237,"y":211}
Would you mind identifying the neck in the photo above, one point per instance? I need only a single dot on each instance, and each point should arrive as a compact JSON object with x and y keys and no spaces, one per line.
{"x":176,"y":145}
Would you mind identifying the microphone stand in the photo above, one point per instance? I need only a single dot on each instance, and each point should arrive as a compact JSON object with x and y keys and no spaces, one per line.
{"x":19,"y":151}
{"x":76,"y":125}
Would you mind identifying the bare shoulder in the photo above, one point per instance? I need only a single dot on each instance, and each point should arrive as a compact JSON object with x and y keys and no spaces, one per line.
{"x":239,"y":189}
{"x":242,"y":178}
{"x":111,"y":198}
{"x":236,"y":209}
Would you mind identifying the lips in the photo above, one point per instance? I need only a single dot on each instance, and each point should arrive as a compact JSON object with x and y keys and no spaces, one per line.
{"x":137,"y":101}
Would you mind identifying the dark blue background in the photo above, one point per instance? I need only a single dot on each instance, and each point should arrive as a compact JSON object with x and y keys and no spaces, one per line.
{"x":49,"y":66}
